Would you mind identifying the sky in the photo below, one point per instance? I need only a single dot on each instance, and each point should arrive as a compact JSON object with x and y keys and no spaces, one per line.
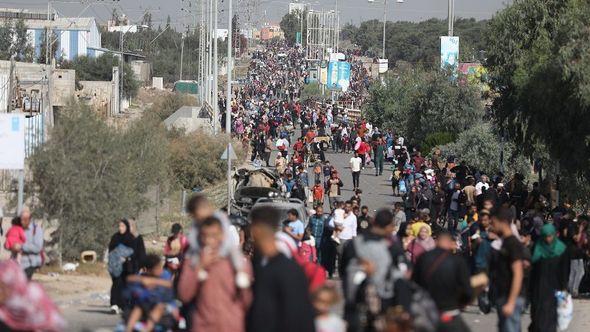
{"x":182,"y":12}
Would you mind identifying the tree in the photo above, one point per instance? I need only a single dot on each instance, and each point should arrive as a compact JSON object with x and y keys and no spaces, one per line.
{"x":5,"y":40}
{"x":292,"y":23}
{"x":538,"y":56}
{"x":419,"y":102}
{"x":88,"y":175}
{"x":480,"y":147}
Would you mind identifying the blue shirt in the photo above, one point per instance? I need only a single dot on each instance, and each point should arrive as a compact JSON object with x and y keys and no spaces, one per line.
{"x":317,"y":225}
{"x":297,"y":227}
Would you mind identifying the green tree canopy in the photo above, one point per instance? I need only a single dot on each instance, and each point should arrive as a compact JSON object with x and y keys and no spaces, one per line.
{"x":417,"y":103}
{"x":539,"y":61}
{"x":291,"y":25}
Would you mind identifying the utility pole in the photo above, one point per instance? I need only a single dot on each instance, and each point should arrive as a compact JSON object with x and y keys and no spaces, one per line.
{"x":228,"y":105}
{"x":215,"y":104}
{"x":451,"y":17}
{"x":181,"y":55}
{"x":49,"y":62}
{"x":121,"y":72}
{"x":384,"y":25}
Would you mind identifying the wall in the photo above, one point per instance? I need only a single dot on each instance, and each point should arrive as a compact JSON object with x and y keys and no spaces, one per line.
{"x":97,"y":94}
{"x":142,"y":71}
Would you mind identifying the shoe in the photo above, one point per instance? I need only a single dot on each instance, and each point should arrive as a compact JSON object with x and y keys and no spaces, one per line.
{"x":115,"y":310}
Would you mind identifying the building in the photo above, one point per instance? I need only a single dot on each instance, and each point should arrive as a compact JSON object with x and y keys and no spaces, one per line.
{"x":73,"y":36}
{"x":270,"y":31}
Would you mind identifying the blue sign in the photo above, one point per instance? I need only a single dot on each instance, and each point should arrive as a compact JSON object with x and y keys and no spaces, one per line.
{"x":338,"y":75}
{"x":16,"y":123}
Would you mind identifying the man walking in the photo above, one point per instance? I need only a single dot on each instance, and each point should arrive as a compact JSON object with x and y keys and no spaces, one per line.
{"x":355,"y":166}
{"x":32,"y":253}
{"x":509,"y":272}
{"x":446,"y":278}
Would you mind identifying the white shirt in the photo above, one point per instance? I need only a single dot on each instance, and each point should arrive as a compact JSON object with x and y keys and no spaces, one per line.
{"x":338,"y":216}
{"x":348,"y":227}
{"x":355,"y":164}
{"x":479,"y":188}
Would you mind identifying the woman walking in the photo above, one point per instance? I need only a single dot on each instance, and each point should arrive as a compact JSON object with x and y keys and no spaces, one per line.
{"x":549,"y":274}
{"x":121,"y":263}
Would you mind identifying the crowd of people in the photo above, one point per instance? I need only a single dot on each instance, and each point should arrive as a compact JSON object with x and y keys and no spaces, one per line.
{"x":456,"y":236}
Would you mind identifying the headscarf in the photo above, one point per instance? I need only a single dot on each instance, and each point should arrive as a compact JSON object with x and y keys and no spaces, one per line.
{"x":127,"y":239}
{"x":25,"y":305}
{"x":544,"y":250}
{"x":428,"y":243}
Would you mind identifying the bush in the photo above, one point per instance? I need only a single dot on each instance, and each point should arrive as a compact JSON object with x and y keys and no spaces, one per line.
{"x":311,"y":91}
{"x":436,"y":139}
{"x":166,"y":105}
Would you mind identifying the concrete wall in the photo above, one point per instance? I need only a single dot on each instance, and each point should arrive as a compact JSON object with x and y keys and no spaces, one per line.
{"x":97,"y":94}
{"x":64,"y":86}
{"x":142,"y":71}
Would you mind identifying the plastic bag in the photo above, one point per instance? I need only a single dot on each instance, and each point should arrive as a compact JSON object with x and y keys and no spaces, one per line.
{"x":565,"y":309}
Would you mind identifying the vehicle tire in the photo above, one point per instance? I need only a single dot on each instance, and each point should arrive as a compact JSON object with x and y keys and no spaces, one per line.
{"x":324,"y":146}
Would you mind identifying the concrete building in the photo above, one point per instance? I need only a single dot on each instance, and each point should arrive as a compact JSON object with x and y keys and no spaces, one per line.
{"x":271,"y":31}
{"x":29,"y":91}
{"x":73,"y":36}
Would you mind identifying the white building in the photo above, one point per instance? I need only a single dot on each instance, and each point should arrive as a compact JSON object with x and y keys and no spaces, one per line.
{"x":297,"y":7}
{"x":74,"y":36}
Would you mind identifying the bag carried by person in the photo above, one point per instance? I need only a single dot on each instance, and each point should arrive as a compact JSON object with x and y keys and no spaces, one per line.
{"x":565,"y":309}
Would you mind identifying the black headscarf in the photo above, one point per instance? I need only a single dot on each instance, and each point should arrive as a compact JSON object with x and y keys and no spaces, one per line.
{"x":127,"y":239}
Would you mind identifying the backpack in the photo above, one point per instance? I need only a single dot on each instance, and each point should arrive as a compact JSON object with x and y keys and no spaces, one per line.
{"x":318,"y":193}
{"x":314,"y":273}
{"x":422,"y":309}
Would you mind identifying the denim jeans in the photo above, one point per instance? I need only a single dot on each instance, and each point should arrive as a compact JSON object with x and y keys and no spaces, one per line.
{"x":511,"y":323}
{"x":576,"y":275}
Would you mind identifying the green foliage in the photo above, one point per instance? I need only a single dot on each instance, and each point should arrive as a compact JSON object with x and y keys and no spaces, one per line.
{"x":418,"y":103}
{"x":539,"y":63}
{"x":291,"y":25}
{"x":480,"y":146}
{"x":311,"y":91}
{"x":88,"y":175}
{"x":101,"y":69}
{"x":165,"y":106}
{"x":436,"y":139}
{"x":162,"y":50}
{"x":417,"y":42}
{"x":14,"y":41}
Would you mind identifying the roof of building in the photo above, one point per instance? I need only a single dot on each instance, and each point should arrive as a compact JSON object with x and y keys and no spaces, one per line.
{"x":34,"y":20}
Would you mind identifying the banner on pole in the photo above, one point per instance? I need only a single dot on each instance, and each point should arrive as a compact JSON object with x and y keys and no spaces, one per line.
{"x":12,"y":141}
{"x":338,"y":75}
{"x":449,"y":53}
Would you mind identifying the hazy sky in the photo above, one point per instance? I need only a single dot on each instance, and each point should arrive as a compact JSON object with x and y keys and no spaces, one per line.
{"x":259,"y":11}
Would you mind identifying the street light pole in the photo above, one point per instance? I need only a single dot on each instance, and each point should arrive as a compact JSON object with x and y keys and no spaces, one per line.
{"x":215,"y":103}
{"x":451,"y":17}
{"x":228,"y":103}
{"x":384,"y":24}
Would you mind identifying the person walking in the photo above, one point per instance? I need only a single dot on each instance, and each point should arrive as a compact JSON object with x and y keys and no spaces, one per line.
{"x":32,"y":255}
{"x":549,"y":273}
{"x":356,"y":163}
{"x":221,"y":304}
{"x":379,"y":155}
{"x":121,"y":264}
{"x":281,"y":298}
{"x":446,"y":278}
{"x":508,"y":270}
{"x":333,"y":186}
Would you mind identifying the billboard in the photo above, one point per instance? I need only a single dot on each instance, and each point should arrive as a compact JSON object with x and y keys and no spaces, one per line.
{"x":449,"y":53}
{"x":338,"y":75}
{"x":12,"y":141}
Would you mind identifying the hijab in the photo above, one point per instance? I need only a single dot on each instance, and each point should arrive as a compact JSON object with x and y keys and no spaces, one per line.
{"x":127,"y":239}
{"x":427,"y":243}
{"x":544,"y":250}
